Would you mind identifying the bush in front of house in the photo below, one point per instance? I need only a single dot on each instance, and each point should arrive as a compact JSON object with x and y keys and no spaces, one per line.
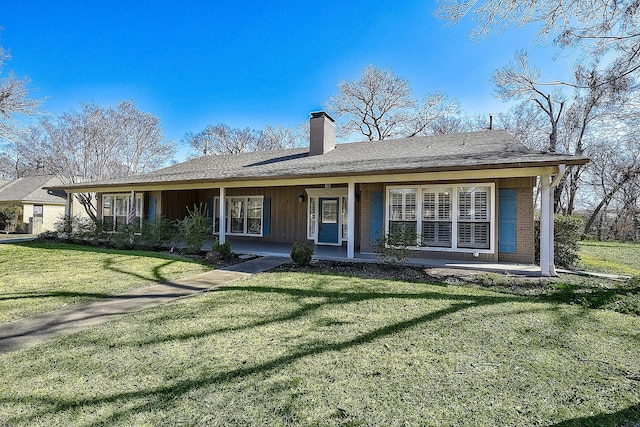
{"x":9,"y":217}
{"x":157,"y":234}
{"x":224,"y":249}
{"x":567,"y":233}
{"x":396,"y":247}
{"x":194,"y":230}
{"x":301,"y":253}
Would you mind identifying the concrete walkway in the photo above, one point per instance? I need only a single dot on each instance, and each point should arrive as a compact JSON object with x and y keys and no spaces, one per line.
{"x":30,"y":331}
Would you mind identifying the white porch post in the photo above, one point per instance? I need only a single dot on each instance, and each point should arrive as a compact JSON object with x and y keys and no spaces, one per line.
{"x":552,"y":259}
{"x":546,"y":239}
{"x":221,"y":220}
{"x":351,"y":219}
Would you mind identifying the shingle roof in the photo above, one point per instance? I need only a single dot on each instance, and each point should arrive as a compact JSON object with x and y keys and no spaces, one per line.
{"x":29,"y":189}
{"x":473,"y":150}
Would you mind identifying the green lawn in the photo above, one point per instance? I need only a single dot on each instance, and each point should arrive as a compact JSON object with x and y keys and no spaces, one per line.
{"x":610,"y":257}
{"x":39,"y":277}
{"x":313,"y":349}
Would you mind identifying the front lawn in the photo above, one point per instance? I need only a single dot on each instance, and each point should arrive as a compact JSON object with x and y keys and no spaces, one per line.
{"x":610,"y":257}
{"x":316,"y":349}
{"x":39,"y":277}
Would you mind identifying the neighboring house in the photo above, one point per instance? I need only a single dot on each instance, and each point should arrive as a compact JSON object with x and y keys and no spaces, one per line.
{"x":467,"y":195}
{"x":41,"y":208}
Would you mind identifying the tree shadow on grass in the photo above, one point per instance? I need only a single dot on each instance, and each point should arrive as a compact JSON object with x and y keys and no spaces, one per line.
{"x":94,"y":249}
{"x":143,"y":400}
{"x":628,"y":417}
{"x":330,"y":298}
{"x":164,"y":394}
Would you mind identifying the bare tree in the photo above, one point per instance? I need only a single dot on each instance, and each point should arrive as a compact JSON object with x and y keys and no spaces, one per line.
{"x":99,"y":143}
{"x":14,"y":101}
{"x":605,"y":31}
{"x":140,"y":135}
{"x":221,"y":139}
{"x":277,"y":138}
{"x":379,"y":105}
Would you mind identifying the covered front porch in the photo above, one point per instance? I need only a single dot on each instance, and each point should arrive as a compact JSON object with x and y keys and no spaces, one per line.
{"x":339,"y":253}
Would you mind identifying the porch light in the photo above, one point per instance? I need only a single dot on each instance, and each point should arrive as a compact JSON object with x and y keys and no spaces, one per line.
{"x":301,"y":198}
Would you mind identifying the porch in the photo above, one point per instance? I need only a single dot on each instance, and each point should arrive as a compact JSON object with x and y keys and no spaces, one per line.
{"x":339,"y":253}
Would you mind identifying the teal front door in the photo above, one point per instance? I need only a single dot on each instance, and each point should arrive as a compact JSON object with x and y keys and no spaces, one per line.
{"x":328,"y":224}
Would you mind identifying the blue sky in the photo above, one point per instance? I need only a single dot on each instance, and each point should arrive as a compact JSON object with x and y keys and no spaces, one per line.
{"x":246,"y":63}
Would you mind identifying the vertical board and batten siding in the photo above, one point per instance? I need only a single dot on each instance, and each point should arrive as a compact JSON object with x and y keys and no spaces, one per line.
{"x":284,"y":216}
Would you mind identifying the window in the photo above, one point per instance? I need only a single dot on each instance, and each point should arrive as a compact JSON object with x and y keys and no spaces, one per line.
{"x":117,"y":211}
{"x":244,"y":215}
{"x":473,"y":217}
{"x":312,"y":223}
{"x":443,"y":217}
{"x":436,"y":217}
{"x":37,"y":211}
{"x":403,"y":221}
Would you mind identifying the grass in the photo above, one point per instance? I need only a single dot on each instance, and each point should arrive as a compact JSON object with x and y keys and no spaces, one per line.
{"x":610,"y":257}
{"x":317,"y":349}
{"x":39,"y":277}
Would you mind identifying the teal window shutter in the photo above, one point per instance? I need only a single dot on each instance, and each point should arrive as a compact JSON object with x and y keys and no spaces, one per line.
{"x":376,"y":225}
{"x":507,"y":220}
{"x":266,"y":216}
{"x":152,"y":208}
{"x":210,"y":212}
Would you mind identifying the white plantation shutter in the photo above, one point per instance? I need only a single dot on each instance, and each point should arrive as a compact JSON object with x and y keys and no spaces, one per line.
{"x":474,"y":217}
{"x":436,"y":217}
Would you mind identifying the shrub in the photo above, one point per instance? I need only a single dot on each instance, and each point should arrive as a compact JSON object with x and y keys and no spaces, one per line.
{"x":301,"y":253}
{"x":157,"y":234}
{"x":567,"y":233}
{"x":9,"y":217}
{"x":194,"y":230}
{"x":223,"y":249}
{"x":395,"y":247}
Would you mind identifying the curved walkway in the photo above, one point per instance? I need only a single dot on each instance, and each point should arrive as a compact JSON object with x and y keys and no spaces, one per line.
{"x":30,"y":331}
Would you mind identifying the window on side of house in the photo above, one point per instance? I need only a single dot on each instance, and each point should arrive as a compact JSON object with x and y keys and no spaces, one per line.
{"x":403,"y":212}
{"x":116,"y":211}
{"x":37,"y":211}
{"x":244,"y":215}
{"x":436,"y":217}
{"x":474,"y":220}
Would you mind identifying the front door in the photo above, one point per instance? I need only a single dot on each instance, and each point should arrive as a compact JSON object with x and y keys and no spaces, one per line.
{"x":328,"y":226}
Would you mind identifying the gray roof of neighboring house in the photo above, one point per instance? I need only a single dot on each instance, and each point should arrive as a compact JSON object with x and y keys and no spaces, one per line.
{"x":462,"y":151}
{"x":29,"y":189}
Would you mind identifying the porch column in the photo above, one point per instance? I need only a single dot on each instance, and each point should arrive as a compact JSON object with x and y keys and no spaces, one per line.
{"x":221,"y":237}
{"x":351,"y":219}
{"x":552,"y":258}
{"x":68,"y":209}
{"x":546,"y":239}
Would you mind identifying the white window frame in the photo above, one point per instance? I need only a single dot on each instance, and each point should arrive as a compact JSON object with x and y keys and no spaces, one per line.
{"x":454,"y":214}
{"x":227,"y":221}
{"x":127,"y":197}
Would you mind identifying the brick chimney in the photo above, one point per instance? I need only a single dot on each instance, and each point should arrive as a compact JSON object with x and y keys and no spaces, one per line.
{"x":322,"y":133}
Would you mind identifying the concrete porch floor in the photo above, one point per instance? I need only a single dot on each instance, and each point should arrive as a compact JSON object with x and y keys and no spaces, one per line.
{"x":339,"y":253}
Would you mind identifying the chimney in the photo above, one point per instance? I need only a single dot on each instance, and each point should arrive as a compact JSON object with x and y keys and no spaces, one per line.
{"x":322,"y":133}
